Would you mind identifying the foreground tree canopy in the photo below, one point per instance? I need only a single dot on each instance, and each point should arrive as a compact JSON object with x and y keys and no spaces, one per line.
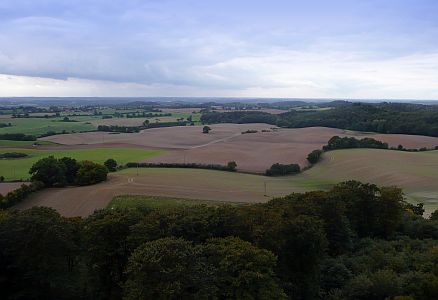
{"x":356,"y":241}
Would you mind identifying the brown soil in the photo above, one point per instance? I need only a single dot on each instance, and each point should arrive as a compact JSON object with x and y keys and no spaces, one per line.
{"x":253,"y":152}
{"x":181,"y":183}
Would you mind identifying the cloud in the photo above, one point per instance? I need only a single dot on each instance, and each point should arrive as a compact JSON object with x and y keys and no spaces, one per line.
{"x":219,"y":48}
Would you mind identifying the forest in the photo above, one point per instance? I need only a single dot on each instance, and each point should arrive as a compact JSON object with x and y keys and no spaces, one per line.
{"x":355,"y":241}
{"x":400,"y":118}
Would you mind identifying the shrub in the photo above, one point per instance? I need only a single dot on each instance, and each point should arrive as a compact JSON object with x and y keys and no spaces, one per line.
{"x":281,"y":169}
{"x":111,"y":165}
{"x":206,"y":129}
{"x":314,"y":156}
{"x":18,"y":195}
{"x":232,"y":165}
{"x":13,"y":155}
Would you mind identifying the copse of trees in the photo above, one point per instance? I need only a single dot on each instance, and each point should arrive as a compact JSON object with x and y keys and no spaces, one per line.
{"x":356,"y":241}
{"x":278,"y":169}
{"x":53,"y":172}
{"x":337,"y":142}
{"x":17,"y":137}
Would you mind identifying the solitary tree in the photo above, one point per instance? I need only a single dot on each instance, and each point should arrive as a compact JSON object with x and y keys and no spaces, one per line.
{"x":206,"y":129}
{"x":232,"y":165}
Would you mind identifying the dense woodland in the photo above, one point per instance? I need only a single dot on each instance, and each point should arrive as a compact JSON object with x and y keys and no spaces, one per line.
{"x":356,"y":241}
{"x":382,"y":117}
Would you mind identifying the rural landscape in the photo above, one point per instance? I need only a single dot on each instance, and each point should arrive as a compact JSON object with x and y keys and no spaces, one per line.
{"x":242,"y":150}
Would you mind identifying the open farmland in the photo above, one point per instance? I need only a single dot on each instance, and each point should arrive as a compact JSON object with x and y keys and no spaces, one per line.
{"x":417,"y":175}
{"x":16,"y":169}
{"x":181,"y":183}
{"x":253,"y":152}
{"x":415,"y":172}
{"x":37,"y":126}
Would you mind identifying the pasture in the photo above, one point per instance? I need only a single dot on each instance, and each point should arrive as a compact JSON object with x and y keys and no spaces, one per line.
{"x":18,"y":169}
{"x":37,"y":126}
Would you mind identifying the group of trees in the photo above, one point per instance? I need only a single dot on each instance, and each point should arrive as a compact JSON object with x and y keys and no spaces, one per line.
{"x":17,"y":137}
{"x":67,"y":171}
{"x":376,"y":117}
{"x":278,"y":169}
{"x":337,"y":142}
{"x":356,"y":241}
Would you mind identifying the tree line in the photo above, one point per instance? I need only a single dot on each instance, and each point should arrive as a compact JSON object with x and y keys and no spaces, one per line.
{"x":401,"y":118}
{"x":356,"y":241}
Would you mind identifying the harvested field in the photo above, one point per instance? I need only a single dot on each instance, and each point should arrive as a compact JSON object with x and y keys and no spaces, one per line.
{"x":253,"y":152}
{"x":6,"y":187}
{"x":415,"y":172}
{"x":181,"y":183}
{"x":417,"y":175}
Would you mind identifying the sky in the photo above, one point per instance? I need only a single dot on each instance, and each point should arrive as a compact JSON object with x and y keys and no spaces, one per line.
{"x":373,"y":49}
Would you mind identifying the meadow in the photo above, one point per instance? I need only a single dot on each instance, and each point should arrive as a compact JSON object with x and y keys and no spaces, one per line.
{"x":16,"y":169}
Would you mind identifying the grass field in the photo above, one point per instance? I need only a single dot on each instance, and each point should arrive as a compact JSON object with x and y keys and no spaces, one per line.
{"x":37,"y":126}
{"x":15,"y":169}
{"x":156,"y":202}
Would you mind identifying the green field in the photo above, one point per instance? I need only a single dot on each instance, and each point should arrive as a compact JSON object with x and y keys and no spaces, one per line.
{"x":14,"y":169}
{"x":156,"y":202}
{"x":37,"y":126}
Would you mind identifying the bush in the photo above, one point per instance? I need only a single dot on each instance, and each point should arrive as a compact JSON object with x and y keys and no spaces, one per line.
{"x":206,"y":129}
{"x":314,"y":156}
{"x":18,"y":195}
{"x":111,"y":165}
{"x":232,"y":165}
{"x":13,"y":155}
{"x":282,"y":170}
{"x":90,"y":173}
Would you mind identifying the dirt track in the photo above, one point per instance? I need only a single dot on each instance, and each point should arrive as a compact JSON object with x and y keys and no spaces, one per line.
{"x":254,"y":152}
